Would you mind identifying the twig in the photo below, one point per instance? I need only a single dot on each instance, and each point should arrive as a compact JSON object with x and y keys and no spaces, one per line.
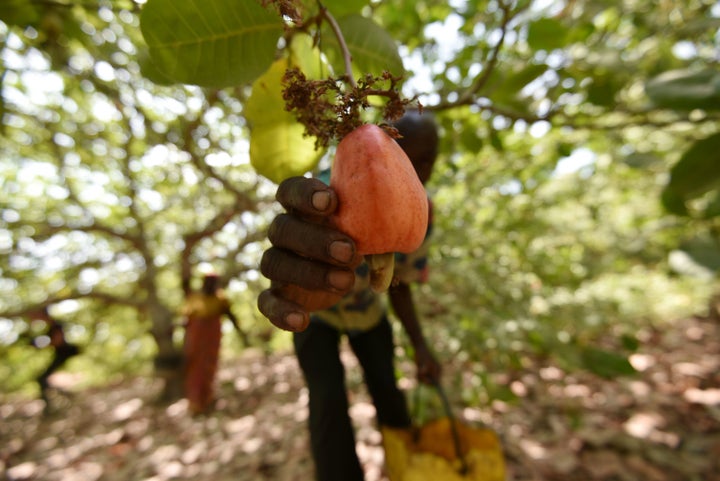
{"x":347,"y":57}
{"x":481,"y":80}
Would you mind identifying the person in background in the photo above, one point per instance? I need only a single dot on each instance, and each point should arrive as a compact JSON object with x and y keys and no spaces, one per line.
{"x":308,"y":252}
{"x":62,"y":351}
{"x":203,"y":311}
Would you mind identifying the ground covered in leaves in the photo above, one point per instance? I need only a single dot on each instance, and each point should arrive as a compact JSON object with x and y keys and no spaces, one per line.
{"x":661,"y":425}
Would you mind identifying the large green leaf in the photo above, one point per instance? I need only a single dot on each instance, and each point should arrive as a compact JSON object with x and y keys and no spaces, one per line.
{"x":372,"y":48}
{"x":341,"y":8}
{"x":18,"y":12}
{"x":305,"y":56}
{"x":279,"y":151}
{"x":703,"y":251}
{"x":265,"y":104}
{"x":603,"y":89}
{"x":546,"y":34}
{"x":279,"y":147}
{"x":504,"y":87}
{"x":213,"y":43}
{"x":713,"y":207}
{"x":697,"y":172}
{"x":604,"y":363}
{"x":150,"y":70}
{"x":507,"y":84}
{"x":337,"y":8}
{"x":686,"y":89}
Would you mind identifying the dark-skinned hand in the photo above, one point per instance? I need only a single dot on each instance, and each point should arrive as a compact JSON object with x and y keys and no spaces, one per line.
{"x":428,"y":368}
{"x":310,"y":264}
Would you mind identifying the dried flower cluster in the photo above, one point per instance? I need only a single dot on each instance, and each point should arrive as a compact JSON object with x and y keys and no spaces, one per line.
{"x":331,"y":108}
{"x":287,"y":9}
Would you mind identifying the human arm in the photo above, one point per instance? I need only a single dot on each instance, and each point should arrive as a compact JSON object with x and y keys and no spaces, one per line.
{"x":232,"y":319}
{"x":310,"y":264}
{"x":243,"y":335}
{"x":401,"y":300}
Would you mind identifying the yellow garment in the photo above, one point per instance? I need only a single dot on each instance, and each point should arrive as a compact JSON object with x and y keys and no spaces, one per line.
{"x":202,"y":306}
{"x":202,"y":347}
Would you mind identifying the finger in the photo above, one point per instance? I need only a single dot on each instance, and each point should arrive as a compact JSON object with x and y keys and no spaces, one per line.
{"x":307,"y":196}
{"x":309,"y":300}
{"x":315,"y":241}
{"x":285,"y":267}
{"x":281,"y":312}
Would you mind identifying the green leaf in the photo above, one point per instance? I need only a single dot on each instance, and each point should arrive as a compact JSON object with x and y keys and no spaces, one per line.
{"x":704,"y":251}
{"x":673,"y":203}
{"x":603,"y":89}
{"x":337,"y":8}
{"x":265,"y":104}
{"x":372,"y":48}
{"x":471,"y":140}
{"x":516,"y":81}
{"x":216,"y":43}
{"x":630,"y":342}
{"x":697,"y":172}
{"x":564,"y":149}
{"x":686,"y":89}
{"x":639,"y":160}
{"x":505,"y":86}
{"x":496,"y":141}
{"x":713,"y":207}
{"x":340,"y":8}
{"x":604,"y":363}
{"x":279,"y":147}
{"x":546,"y":34}
{"x":279,"y":151}
{"x":18,"y":12}
{"x":305,"y":56}
{"x":150,"y":71}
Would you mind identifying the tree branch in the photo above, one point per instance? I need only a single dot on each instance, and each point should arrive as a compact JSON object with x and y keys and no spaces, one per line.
{"x":232,"y":268}
{"x":104,"y":297}
{"x":470,"y":95}
{"x":490,"y":65}
{"x":95,"y":225}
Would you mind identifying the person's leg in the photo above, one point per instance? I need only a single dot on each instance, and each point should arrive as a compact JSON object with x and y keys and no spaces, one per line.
{"x":59,"y":358}
{"x":375,"y":351}
{"x":331,"y":433}
{"x":43,"y":383}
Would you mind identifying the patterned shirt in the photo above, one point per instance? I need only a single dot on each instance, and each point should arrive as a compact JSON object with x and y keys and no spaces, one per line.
{"x":362,"y":308}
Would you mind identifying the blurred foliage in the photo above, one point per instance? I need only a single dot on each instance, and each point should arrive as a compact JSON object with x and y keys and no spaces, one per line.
{"x":575,"y":194}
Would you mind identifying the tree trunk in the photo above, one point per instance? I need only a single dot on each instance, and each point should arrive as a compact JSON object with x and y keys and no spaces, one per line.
{"x":169,"y":359}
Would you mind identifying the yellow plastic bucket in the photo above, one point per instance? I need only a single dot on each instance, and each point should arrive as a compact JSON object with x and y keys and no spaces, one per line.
{"x":432,"y":452}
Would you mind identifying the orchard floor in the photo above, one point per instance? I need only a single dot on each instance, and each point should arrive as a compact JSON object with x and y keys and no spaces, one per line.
{"x":660,"y":425}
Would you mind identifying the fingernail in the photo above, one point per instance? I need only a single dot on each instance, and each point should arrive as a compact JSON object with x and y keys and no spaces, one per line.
{"x":321,"y":200}
{"x":295,"y":321}
{"x":341,"y":280}
{"x":341,"y":251}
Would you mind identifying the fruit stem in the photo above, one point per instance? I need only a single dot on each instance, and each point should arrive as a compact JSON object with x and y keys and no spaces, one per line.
{"x":343,"y":45}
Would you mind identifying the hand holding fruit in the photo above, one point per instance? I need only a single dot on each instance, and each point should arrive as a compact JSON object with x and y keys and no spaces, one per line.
{"x":377,"y":201}
{"x":311,"y":264}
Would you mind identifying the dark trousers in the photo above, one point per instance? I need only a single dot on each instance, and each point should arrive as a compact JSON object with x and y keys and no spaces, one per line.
{"x":331,"y":433}
{"x":60,"y":357}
